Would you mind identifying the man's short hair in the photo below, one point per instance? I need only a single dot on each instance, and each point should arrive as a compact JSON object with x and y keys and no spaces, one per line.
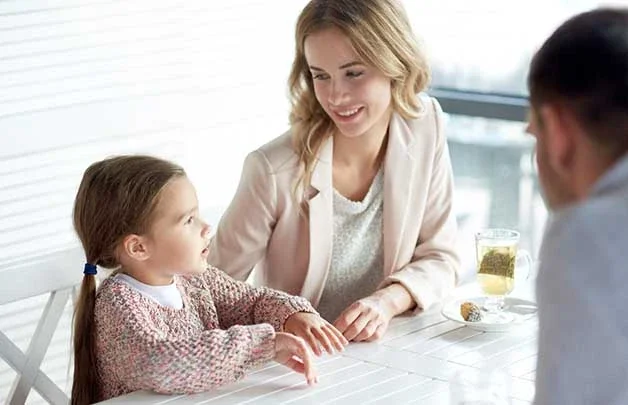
{"x":583,"y":66}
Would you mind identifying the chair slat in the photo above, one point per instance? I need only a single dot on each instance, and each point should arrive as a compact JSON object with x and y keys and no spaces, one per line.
{"x":40,"y":275}
{"x":38,"y":347}
{"x":57,"y":274}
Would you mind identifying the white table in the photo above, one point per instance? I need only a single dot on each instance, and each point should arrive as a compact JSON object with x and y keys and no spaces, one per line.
{"x":413,"y":363}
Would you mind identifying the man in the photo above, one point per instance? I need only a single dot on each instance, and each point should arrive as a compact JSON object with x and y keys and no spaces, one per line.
{"x":579,"y":96}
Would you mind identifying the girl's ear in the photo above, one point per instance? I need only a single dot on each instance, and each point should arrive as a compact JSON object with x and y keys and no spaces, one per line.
{"x":135,"y":247}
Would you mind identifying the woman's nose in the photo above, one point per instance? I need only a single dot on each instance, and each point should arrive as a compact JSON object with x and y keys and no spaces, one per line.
{"x":337,"y":93}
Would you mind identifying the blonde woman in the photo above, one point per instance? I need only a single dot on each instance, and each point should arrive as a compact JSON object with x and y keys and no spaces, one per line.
{"x":352,"y":207}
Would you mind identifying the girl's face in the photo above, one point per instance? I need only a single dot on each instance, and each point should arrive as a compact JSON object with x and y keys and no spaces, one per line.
{"x":178,"y":239}
{"x":356,"y":96}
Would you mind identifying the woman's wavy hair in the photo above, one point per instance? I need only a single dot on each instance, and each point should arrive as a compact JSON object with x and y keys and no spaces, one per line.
{"x":382,"y":37}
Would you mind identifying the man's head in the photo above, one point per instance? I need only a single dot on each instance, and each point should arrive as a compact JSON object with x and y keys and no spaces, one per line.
{"x":578,"y":86}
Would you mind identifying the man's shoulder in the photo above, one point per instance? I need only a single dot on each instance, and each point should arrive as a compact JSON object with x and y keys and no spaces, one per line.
{"x":590,"y":238}
{"x":600,"y":215}
{"x":596,"y":214}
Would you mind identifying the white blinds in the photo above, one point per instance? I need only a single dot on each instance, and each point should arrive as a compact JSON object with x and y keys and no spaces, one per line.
{"x":201,"y":82}
{"x":198,"y":81}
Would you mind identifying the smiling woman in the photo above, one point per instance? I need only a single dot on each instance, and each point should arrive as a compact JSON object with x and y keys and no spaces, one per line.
{"x":352,"y":207}
{"x":368,"y":109}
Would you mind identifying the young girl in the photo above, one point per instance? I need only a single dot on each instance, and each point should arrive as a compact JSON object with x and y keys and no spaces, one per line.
{"x":164,"y":321}
{"x":352,"y":207}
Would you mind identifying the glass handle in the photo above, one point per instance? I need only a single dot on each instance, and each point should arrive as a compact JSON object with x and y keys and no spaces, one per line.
{"x":525,"y":256}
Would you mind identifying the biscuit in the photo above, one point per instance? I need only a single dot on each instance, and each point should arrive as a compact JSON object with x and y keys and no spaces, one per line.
{"x":470,"y":312}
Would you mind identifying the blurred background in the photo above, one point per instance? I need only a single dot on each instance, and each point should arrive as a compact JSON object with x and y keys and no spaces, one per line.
{"x":204,"y":82}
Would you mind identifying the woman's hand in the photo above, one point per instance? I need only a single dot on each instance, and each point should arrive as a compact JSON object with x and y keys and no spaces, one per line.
{"x":292,"y":352}
{"x":316,"y":331}
{"x":365,"y":320}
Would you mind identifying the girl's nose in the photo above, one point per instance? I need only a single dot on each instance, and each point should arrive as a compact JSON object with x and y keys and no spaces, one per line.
{"x":206,"y":230}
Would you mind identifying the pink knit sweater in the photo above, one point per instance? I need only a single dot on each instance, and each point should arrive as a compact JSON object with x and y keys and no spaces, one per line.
{"x":141,"y":345}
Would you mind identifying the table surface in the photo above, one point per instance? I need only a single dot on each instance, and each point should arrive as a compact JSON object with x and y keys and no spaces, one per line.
{"x":414,"y":362}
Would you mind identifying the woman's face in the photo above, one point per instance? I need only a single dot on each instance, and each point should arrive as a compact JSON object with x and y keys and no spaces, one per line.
{"x":356,"y":96}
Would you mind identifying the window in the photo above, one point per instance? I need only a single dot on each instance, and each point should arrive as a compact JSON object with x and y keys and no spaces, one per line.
{"x":480,"y":54}
{"x":487,"y":45}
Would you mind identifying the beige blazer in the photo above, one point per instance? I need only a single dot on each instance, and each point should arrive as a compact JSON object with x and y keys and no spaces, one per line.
{"x":262,"y":229}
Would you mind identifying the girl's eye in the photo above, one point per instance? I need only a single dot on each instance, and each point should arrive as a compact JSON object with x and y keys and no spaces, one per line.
{"x":189,"y":220}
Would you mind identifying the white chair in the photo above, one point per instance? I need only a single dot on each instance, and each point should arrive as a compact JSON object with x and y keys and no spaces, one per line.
{"x":56,"y":274}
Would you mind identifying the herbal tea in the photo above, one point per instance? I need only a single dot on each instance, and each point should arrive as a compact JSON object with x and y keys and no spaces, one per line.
{"x":496,"y":268}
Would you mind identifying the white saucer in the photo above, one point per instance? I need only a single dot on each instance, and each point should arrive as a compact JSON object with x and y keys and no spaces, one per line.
{"x":517,"y":310}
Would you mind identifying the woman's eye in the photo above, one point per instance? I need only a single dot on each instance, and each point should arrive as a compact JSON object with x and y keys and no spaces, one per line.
{"x":354,"y":74}
{"x":320,"y":76}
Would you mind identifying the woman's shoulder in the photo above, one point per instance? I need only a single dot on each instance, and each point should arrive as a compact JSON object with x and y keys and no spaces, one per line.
{"x":429,"y":110}
{"x":426,"y":126}
{"x":276,"y":155}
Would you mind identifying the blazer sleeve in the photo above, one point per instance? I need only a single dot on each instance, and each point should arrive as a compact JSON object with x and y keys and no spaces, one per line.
{"x":245,"y":228}
{"x":433,"y":271}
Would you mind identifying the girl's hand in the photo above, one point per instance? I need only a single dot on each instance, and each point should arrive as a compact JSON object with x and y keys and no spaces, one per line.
{"x":365,"y":320}
{"x":316,"y":331}
{"x":292,"y":352}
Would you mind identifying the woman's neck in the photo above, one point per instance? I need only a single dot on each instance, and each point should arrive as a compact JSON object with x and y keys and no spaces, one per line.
{"x":365,"y":151}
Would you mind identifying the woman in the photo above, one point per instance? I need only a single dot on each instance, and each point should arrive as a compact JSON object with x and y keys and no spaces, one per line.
{"x":352,"y":207}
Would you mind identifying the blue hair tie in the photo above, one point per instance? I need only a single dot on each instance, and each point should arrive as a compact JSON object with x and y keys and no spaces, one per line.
{"x":90,"y":269}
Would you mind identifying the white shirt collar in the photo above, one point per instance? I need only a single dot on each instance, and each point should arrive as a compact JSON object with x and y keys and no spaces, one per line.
{"x":165,"y":295}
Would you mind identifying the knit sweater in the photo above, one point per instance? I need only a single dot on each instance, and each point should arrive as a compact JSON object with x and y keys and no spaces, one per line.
{"x":225,"y":329}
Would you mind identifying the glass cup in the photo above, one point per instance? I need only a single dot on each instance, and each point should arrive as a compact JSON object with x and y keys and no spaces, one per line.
{"x":498,"y":265}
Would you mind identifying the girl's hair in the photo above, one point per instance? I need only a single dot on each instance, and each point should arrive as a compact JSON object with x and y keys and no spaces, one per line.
{"x":583,"y":65}
{"x":116,"y":198}
{"x":381,"y":35}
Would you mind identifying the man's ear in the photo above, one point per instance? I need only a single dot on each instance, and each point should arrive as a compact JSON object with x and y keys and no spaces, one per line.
{"x":559,"y":137}
{"x":135,"y":247}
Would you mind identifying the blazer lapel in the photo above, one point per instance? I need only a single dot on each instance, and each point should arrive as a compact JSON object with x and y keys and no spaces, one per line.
{"x":398,"y":180}
{"x":321,"y":225}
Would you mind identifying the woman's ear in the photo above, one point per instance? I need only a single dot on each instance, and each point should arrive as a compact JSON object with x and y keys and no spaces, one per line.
{"x":135,"y":247}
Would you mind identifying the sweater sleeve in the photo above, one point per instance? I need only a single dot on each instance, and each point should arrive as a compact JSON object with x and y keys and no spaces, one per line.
{"x":143,"y":356}
{"x":238,"y":302}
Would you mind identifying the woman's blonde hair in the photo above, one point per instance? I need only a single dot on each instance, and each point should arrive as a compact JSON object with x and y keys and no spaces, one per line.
{"x":381,"y":35}
{"x":117,"y":197}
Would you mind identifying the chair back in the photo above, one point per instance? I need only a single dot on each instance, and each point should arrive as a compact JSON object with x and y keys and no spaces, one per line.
{"x":58,"y":275}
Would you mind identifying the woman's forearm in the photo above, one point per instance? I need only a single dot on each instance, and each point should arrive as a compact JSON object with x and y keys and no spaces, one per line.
{"x":396,"y":298}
